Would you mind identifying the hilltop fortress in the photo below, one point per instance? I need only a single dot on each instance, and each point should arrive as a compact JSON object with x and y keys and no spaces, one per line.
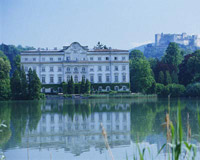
{"x":184,"y":39}
{"x":186,"y":42}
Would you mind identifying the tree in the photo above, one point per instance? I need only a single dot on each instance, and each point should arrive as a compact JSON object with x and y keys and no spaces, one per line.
{"x":168,"y":79}
{"x":30,"y":84}
{"x":4,"y":77}
{"x":174,"y":77}
{"x":82,"y":87}
{"x":24,"y":84}
{"x":140,"y":75}
{"x":87,"y":87}
{"x":173,"y":55}
{"x":36,"y":86}
{"x":161,"y":77}
{"x":70,"y":86}
{"x":136,"y":54}
{"x":189,"y":68}
{"x":16,"y":85}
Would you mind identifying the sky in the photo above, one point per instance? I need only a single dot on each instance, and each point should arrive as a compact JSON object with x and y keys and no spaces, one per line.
{"x":122,"y":24}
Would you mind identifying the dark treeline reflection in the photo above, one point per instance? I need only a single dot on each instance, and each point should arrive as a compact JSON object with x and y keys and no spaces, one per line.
{"x":143,"y":118}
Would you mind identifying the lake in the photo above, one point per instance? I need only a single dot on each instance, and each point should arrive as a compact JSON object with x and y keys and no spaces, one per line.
{"x":70,"y":129}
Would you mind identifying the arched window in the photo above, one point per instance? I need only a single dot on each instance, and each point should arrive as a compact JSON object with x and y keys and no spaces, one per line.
{"x":75,"y":69}
{"x":68,"y":78}
{"x":83,"y":69}
{"x":68,"y":69}
{"x":116,"y":88}
{"x":76,"y":79}
{"x":108,"y":88}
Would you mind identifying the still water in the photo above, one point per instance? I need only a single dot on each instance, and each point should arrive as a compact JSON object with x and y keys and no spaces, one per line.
{"x":70,"y":129}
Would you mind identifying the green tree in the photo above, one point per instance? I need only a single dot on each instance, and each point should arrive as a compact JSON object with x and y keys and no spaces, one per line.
{"x":70,"y":86}
{"x":24,"y":84}
{"x":36,"y":86}
{"x":136,"y":54}
{"x":16,"y":85}
{"x":30,"y":84}
{"x":168,"y":78}
{"x":82,"y":87}
{"x":4,"y":77}
{"x":87,"y":87}
{"x":140,"y":75}
{"x":161,"y":77}
{"x":173,"y":55}
{"x":174,"y":77}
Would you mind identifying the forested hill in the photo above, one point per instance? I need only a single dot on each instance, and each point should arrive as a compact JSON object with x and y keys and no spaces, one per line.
{"x":11,"y":51}
{"x":152,"y":51}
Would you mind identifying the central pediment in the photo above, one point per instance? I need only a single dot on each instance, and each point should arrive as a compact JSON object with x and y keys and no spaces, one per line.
{"x":75,"y":48}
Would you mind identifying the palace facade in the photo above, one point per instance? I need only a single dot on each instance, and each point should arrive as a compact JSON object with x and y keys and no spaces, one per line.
{"x":100,"y":66}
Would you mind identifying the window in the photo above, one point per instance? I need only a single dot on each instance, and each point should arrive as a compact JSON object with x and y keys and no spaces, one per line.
{"x":34,"y":68}
{"x":52,"y":119}
{"x":83,"y":69}
{"x":43,"y":59}
{"x":124,"y":88}
{"x":124,"y":78}
{"x":99,"y":78}
{"x":91,"y":58}
{"x":43,"y":80}
{"x":68,"y":69}
{"x":116,"y":68}
{"x":75,"y":69}
{"x":68,"y":78}
{"x":67,"y":58}
{"x":123,"y":68}
{"x":116,"y":78}
{"x":59,"y":69}
{"x":34,"y":59}
{"x":107,"y":68}
{"x":76,"y":79}
{"x":43,"y":69}
{"x":59,"y":58}
{"x":59,"y":79}
{"x":25,"y":59}
{"x":108,"y":88}
{"x":123,"y":58}
{"x":116,"y":88}
{"x":92,"y":117}
{"x":99,"y":68}
{"x":108,"y":116}
{"x":115,"y":58}
{"x":51,"y":69}
{"x":99,"y":58}
{"x":51,"y":79}
{"x":107,"y":58}
{"x":83,"y":77}
{"x":124,"y":117}
{"x":51,"y":58}
{"x":107,"y":78}
{"x":91,"y":78}
{"x":91,"y":69}
{"x":117,"y":117}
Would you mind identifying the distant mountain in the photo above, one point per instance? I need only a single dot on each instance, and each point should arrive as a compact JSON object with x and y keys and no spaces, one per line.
{"x":152,"y":51}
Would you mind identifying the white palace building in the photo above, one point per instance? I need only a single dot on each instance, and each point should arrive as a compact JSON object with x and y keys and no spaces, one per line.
{"x":99,"y":66}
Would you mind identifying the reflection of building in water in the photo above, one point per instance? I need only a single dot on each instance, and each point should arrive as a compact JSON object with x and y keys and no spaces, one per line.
{"x":78,"y":133}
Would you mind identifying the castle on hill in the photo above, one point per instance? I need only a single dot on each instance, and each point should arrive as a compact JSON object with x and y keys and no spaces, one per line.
{"x":188,"y":43}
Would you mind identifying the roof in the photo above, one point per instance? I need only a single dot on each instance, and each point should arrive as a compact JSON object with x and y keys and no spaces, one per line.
{"x":108,"y":50}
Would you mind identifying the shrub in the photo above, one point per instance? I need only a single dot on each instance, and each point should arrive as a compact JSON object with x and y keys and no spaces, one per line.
{"x":176,"y":90}
{"x":193,"y":90}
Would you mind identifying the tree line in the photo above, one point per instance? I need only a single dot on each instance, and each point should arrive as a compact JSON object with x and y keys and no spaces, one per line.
{"x":175,"y":74}
{"x":76,"y":88}
{"x":20,"y":86}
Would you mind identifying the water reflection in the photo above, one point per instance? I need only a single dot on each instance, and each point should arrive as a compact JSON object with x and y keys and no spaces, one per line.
{"x":74,"y":125}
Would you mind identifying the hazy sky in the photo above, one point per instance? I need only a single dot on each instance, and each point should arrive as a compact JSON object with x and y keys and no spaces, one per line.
{"x":116,"y":23}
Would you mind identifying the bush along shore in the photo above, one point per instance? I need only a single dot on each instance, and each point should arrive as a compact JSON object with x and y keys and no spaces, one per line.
{"x":100,"y":96}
